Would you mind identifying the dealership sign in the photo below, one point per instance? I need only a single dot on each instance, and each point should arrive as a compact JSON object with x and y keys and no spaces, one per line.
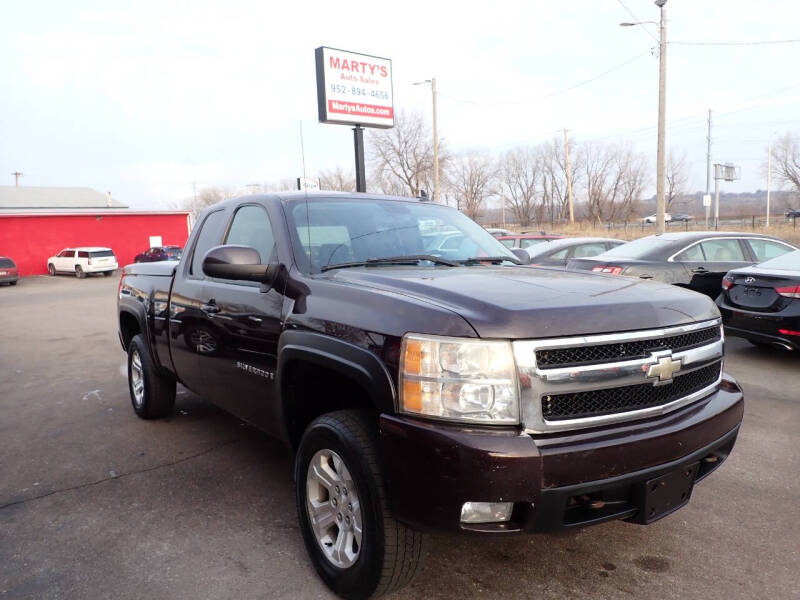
{"x":354,"y":89}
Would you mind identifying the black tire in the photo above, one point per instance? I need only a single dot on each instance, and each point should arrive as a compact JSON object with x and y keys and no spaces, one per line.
{"x":12,"y":283}
{"x":108,"y":273}
{"x":390,"y":554}
{"x":79,"y":273}
{"x":158,"y":390}
{"x":51,"y":269}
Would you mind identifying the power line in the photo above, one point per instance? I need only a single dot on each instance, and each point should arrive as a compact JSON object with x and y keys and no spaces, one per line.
{"x":551,"y":94}
{"x":723,"y":43}
{"x":637,"y":21}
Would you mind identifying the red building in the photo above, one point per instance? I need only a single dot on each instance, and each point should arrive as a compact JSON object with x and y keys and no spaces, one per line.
{"x":39,"y":224}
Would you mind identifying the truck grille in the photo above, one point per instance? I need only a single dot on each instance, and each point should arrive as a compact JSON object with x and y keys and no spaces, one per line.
{"x":587,"y":355}
{"x":630,"y":397}
{"x":586,"y":381}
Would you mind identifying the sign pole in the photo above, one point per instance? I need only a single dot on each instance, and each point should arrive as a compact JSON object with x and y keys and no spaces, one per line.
{"x":358,"y":143}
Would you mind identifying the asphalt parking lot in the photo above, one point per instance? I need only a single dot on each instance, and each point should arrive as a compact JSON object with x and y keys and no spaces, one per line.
{"x":96,"y":503}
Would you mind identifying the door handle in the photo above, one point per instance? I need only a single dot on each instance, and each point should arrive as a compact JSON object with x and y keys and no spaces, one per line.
{"x":211,"y":307}
{"x":700,"y":270}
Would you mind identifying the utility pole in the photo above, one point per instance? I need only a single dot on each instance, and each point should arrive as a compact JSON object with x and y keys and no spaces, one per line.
{"x":435,"y":146}
{"x":17,"y":175}
{"x":662,"y":93}
{"x":769,"y":173}
{"x":569,"y":178}
{"x":432,"y":81}
{"x":708,"y":168}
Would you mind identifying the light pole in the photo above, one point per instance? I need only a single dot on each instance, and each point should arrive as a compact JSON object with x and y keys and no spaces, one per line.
{"x":432,"y":81}
{"x":662,"y":101}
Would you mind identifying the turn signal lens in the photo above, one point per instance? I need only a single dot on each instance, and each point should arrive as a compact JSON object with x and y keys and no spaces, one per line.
{"x":792,"y":291}
{"x":607,"y":269}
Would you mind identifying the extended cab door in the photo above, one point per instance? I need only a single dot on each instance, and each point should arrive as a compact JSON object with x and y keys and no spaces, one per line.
{"x":193,"y":334}
{"x":240,"y":376}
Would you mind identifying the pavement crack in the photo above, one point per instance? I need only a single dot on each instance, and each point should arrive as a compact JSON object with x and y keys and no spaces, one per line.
{"x":123,"y":475}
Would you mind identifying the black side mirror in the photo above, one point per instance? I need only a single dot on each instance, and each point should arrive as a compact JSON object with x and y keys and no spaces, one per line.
{"x":240,"y":263}
{"x":522,"y":255}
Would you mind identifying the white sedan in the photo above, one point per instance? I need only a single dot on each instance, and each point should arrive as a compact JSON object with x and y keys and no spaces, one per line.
{"x":653,"y":218}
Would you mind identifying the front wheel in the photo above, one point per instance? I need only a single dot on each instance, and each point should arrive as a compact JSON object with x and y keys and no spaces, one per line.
{"x":51,"y":269}
{"x":354,"y":542}
{"x":152,"y":392}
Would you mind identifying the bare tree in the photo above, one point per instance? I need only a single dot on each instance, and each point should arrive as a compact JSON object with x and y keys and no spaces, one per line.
{"x":404,"y":153}
{"x":677,"y":178}
{"x":471,"y":181}
{"x":613,"y":177}
{"x":205,"y":197}
{"x":519,"y":176}
{"x":337,"y":180}
{"x":786,"y":162}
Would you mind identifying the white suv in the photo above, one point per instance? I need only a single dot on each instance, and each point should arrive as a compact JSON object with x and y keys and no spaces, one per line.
{"x":83,"y":260}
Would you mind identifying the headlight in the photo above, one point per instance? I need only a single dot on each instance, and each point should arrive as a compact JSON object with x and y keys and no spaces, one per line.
{"x":458,"y":379}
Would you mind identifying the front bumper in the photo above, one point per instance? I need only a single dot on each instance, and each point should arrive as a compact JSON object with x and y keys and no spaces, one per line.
{"x":432,"y":469}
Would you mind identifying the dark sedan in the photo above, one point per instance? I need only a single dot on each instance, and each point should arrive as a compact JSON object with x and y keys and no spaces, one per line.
{"x":762,"y":303}
{"x":697,"y":260}
{"x":8,"y":271}
{"x":557,"y":253}
{"x":159,"y":253}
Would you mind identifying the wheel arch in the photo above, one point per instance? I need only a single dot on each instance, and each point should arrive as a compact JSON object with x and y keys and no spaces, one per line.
{"x":355,"y":377}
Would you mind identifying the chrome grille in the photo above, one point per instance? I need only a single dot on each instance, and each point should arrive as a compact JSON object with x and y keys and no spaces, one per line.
{"x":586,"y":381}
{"x":627,"y":398}
{"x":587,"y":355}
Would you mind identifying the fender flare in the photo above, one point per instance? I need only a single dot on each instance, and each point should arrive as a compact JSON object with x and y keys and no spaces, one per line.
{"x":354,"y":362}
{"x":138,"y":313}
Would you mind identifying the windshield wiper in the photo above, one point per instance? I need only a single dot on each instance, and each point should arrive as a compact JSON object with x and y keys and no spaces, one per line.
{"x":411,"y":259}
{"x":492,"y":259}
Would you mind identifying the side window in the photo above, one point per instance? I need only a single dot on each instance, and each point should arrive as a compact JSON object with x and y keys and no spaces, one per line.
{"x":251,"y":227}
{"x":766,"y":249}
{"x":508,"y":243}
{"x":691,"y":254}
{"x":208,"y":238}
{"x":588,"y":250}
{"x":83,"y":254}
{"x":65,"y":254}
{"x":528,"y":242}
{"x":561,"y":254}
{"x":723,"y":251}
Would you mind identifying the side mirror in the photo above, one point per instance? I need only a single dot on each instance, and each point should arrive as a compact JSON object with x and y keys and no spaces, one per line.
{"x":240,"y":263}
{"x":522,"y":255}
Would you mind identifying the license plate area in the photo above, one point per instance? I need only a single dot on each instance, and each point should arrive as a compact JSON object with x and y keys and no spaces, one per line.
{"x":660,"y":496}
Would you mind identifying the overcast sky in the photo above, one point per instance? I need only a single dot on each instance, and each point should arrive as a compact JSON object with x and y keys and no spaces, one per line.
{"x":143,"y":98}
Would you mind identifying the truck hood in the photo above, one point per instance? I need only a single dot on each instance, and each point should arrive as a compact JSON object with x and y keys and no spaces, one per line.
{"x":526,"y":302}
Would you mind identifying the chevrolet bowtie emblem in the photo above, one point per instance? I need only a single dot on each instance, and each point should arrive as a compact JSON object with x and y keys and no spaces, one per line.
{"x":664,"y":368}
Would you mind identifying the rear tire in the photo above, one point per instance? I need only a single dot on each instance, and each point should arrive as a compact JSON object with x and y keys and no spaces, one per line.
{"x":79,"y":273}
{"x":385,"y":555}
{"x":152,"y":392}
{"x":108,"y":273}
{"x":51,"y":269}
{"x":12,"y":283}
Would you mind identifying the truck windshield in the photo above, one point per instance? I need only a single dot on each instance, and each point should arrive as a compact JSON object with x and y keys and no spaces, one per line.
{"x":338,"y":231}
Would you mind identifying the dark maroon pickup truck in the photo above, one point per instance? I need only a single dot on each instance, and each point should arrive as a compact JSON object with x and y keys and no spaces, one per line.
{"x":452,"y":391}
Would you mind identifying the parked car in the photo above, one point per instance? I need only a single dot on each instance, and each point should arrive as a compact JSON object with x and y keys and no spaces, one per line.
{"x":557,"y":253}
{"x":82,"y":261}
{"x":682,"y":217}
{"x":696,"y":260}
{"x":654,"y":218}
{"x":420,"y":393}
{"x":792,"y":214}
{"x":159,"y":253}
{"x":8,"y":271}
{"x":762,"y":303}
{"x":526,"y":240}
